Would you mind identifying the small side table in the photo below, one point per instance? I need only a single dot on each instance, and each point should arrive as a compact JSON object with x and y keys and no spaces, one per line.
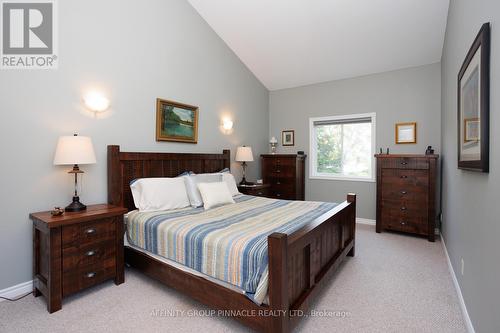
{"x":76,"y":250}
{"x":258,"y":190}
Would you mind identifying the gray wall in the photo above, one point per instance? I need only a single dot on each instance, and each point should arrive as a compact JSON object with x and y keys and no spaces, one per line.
{"x":135,"y":54}
{"x":412,"y":94}
{"x":471,"y":227}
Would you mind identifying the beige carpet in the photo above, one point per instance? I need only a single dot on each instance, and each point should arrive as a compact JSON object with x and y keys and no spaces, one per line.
{"x":395,"y":283}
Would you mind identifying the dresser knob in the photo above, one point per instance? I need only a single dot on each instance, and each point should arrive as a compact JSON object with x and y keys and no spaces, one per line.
{"x":90,"y":253}
{"x":404,"y":176}
{"x":403,"y":208}
{"x":278,"y":194}
{"x":404,"y":163}
{"x":260,"y":193}
{"x":278,"y":171}
{"x":278,"y":183}
{"x":403,"y":223}
{"x":90,"y":275}
{"x":403,"y":192}
{"x":90,"y":231}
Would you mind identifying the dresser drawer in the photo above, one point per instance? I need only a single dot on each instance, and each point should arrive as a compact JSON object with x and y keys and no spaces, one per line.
{"x":262,"y":192}
{"x":403,"y":179}
{"x":400,"y":222}
{"x":405,"y":192}
{"x":88,"y":276}
{"x":89,"y":233}
{"x":404,"y":163}
{"x":87,"y":255}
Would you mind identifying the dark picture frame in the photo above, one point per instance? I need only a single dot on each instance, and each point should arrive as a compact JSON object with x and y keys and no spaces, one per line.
{"x":288,"y":138}
{"x":176,"y":122}
{"x":473,"y":108}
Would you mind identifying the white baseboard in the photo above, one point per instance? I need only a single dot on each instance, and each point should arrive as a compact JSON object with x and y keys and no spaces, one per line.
{"x":465,"y":313}
{"x":365,"y":221}
{"x":17,"y":290}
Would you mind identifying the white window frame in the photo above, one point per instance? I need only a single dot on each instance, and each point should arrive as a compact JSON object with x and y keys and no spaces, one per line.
{"x":313,"y":174}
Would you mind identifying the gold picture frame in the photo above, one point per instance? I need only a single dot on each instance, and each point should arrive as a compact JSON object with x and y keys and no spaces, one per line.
{"x":406,"y":133}
{"x":176,"y":122}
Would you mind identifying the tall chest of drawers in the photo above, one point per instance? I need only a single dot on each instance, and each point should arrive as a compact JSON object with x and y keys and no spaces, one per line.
{"x":406,"y":193}
{"x":286,"y":175}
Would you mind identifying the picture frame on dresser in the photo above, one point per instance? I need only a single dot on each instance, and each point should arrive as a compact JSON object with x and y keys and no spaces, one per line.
{"x":473,"y":105}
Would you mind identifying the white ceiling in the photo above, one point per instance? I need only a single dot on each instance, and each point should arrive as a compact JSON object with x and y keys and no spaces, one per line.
{"x":290,"y":43}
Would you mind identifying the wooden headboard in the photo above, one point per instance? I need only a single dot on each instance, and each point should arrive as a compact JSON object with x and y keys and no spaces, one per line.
{"x":123,"y":167}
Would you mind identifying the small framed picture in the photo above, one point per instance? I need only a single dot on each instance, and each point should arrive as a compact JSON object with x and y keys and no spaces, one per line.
{"x":406,"y":133}
{"x":288,"y":138}
{"x":471,"y":130}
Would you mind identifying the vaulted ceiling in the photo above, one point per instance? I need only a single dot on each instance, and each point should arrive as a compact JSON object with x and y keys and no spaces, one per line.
{"x":290,"y":43}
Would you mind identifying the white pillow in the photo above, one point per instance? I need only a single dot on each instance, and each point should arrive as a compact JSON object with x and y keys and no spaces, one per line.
{"x":215,"y":194}
{"x":228,"y":178}
{"x":192,"y":189}
{"x":151,"y":194}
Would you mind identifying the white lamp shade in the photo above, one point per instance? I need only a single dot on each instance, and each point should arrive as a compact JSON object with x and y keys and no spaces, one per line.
{"x":74,"y":150}
{"x":244,"y":154}
{"x":273,"y":140}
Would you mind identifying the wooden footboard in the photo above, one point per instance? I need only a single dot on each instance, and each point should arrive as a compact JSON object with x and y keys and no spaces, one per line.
{"x":300,"y":263}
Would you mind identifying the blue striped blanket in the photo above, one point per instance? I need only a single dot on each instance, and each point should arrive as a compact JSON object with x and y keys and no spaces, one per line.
{"x":229,"y":242}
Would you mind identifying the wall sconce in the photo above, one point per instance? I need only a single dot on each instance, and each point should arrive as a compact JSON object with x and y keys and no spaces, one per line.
{"x":96,"y":101}
{"x":227,"y":124}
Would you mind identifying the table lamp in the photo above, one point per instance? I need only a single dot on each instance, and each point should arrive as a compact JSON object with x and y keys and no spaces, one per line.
{"x":244,"y":155}
{"x":74,"y":150}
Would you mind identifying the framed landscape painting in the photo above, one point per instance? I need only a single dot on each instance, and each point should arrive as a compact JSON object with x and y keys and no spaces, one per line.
{"x":473,"y":105}
{"x":176,"y":122}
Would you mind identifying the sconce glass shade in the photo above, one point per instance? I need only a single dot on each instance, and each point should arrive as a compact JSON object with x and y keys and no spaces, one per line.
{"x":227,"y":124}
{"x":96,"y":102}
{"x":74,"y":150}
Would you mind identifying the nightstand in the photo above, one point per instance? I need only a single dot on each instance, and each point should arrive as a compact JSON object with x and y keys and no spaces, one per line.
{"x":258,"y":190}
{"x":76,"y":250}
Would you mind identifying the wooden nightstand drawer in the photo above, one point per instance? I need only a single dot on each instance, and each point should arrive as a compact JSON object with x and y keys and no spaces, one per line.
{"x":86,"y":255}
{"x":88,"y":233}
{"x":76,"y":250}
{"x":258,"y":190}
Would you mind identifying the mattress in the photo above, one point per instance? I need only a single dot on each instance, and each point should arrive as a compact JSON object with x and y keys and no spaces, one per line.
{"x":227,"y":244}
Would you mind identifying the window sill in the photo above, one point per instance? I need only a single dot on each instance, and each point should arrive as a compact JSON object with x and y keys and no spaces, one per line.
{"x":349,"y":179}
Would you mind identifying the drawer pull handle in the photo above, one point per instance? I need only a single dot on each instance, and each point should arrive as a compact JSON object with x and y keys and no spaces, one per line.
{"x":90,"y":231}
{"x":260,"y":193}
{"x":403,"y":192}
{"x":90,"y":253}
{"x":404,"y":163}
{"x":90,"y":275}
{"x":278,"y":194}
{"x":278,"y":183}
{"x":403,"y":223}
{"x":404,"y":177}
{"x":278,"y":171}
{"x":403,"y":208}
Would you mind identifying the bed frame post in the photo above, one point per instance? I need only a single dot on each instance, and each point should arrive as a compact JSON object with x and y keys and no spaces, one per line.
{"x":278,"y":282}
{"x":351,"y":198}
{"x":227,"y":160}
{"x":115,"y":189}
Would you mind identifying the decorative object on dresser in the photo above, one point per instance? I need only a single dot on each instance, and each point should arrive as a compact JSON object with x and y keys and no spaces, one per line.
{"x":286,"y":175}
{"x":74,"y":150}
{"x":258,"y":190}
{"x":474,"y":105}
{"x":75,"y":251}
{"x":406,"y":193}
{"x":273,"y":142}
{"x":288,"y":138}
{"x":406,"y":133}
{"x":176,"y":122}
{"x":244,"y":154}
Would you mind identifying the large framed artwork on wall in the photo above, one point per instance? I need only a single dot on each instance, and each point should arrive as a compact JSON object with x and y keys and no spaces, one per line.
{"x":176,"y":122}
{"x":474,"y":105}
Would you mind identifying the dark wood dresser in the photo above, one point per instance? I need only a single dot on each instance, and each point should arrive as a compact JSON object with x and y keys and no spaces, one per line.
{"x":75,"y":251}
{"x":406,"y":193}
{"x":286,"y":175}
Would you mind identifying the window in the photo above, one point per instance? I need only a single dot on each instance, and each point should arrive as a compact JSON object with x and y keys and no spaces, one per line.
{"x":342,"y":147}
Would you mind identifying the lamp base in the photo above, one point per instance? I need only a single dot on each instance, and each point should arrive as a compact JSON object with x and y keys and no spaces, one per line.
{"x":75,"y":206}
{"x":244,"y":182}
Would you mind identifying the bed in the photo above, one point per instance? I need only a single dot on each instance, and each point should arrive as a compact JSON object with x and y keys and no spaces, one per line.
{"x":292,"y":263}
